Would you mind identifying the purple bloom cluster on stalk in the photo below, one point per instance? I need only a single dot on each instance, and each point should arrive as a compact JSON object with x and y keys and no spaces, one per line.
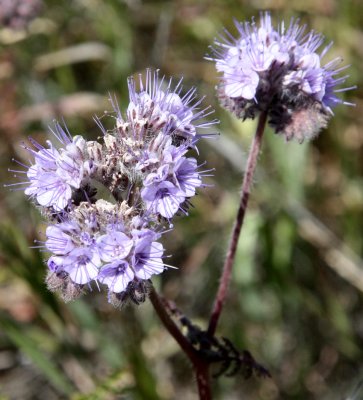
{"x":278,"y":70}
{"x":143,"y":162}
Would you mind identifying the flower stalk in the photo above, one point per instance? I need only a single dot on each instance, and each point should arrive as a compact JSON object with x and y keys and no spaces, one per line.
{"x":170,"y":325}
{"x":201,"y":367}
{"x":231,"y":254}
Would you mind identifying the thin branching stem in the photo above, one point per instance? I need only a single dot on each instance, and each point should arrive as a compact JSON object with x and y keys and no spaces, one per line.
{"x":203,"y":380}
{"x":170,"y":325}
{"x":245,"y":193}
{"x":200,"y":366}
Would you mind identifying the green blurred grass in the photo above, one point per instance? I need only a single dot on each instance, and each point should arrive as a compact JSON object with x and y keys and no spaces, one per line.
{"x":290,"y":303}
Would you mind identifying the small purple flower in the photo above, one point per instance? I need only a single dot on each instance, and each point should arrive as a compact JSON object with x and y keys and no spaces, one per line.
{"x":163,"y":198}
{"x":59,"y":238}
{"x":121,"y":268}
{"x":147,"y":256}
{"x":75,"y":252}
{"x":114,"y":245}
{"x":56,"y":173}
{"x":50,"y":190}
{"x":55,"y":264}
{"x":175,"y":179}
{"x":82,"y":264}
{"x":160,"y":175}
{"x":186,"y":175}
{"x":69,"y":170}
{"x":116,"y":275}
{"x":278,"y":70}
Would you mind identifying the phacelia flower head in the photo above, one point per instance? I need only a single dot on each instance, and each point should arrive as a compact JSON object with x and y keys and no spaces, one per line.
{"x":278,"y":70}
{"x":147,"y":176}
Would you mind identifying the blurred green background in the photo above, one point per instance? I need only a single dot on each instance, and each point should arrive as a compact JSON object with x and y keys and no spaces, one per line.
{"x":296,"y":301}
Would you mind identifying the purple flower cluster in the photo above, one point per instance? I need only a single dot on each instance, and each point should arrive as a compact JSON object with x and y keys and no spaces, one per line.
{"x":170,"y":178}
{"x":103,"y":243}
{"x":144,"y":164}
{"x":57,"y":172}
{"x":278,"y":70}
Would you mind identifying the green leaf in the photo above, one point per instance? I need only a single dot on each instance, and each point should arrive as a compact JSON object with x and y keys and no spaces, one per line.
{"x":31,"y":348}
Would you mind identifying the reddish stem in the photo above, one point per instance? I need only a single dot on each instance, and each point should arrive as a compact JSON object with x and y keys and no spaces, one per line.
{"x":200,"y":366}
{"x":246,"y":189}
{"x":203,"y":381}
{"x":170,"y":325}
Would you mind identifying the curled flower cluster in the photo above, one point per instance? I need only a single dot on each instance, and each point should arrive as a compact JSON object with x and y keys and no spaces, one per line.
{"x":56,"y":173}
{"x":109,"y":201}
{"x":279,"y":71}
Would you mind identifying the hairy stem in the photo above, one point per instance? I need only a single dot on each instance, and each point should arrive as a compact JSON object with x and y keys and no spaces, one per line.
{"x":200,"y":366}
{"x":170,"y":325}
{"x":203,"y":381}
{"x":245,"y":193}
